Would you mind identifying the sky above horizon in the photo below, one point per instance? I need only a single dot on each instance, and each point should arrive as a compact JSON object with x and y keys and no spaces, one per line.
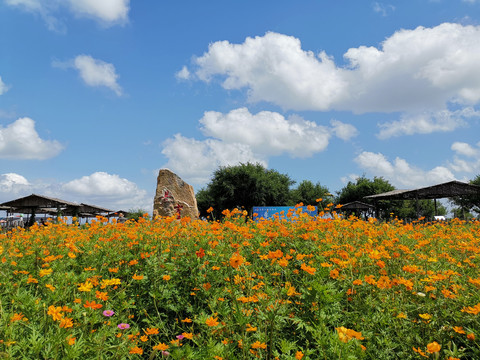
{"x":96,"y":97}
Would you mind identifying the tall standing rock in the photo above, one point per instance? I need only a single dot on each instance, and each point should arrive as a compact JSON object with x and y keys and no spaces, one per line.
{"x":174,"y":197}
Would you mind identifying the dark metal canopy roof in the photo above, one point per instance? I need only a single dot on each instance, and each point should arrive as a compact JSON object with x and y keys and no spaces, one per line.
{"x":444,"y":190}
{"x":44,"y":204}
{"x":37,"y":201}
{"x":357,"y":205}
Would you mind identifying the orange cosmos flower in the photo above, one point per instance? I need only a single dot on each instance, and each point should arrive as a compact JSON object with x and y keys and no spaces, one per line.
{"x":259,"y":345}
{"x":308,"y":269}
{"x":187,"y":335}
{"x":71,"y":340}
{"x":101,"y":295}
{"x":298,"y":355}
{"x":136,"y":350}
{"x":151,"y":331}
{"x":137,"y":277}
{"x":166,"y":277}
{"x":92,"y":305}
{"x":211,"y":321}
{"x":472,"y":309}
{"x":236,"y":260}
{"x":433,"y":347}
{"x":17,"y":317}
{"x":55,"y":312}
{"x":161,"y":347}
{"x":66,"y":323}
{"x":187,"y":320}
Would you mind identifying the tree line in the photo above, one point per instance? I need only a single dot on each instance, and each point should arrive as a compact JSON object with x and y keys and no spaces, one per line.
{"x":246,"y":185}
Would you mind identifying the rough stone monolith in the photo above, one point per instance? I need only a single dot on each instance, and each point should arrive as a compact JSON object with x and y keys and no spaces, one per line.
{"x":174,"y":197}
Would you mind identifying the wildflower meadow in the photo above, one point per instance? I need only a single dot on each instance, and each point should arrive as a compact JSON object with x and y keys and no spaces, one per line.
{"x":313,"y":288}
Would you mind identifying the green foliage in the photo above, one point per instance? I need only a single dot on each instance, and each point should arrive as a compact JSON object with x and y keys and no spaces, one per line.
{"x":356,"y":191}
{"x":425,"y":208}
{"x":244,"y":186}
{"x":307,"y":193}
{"x":464,"y":205}
{"x":135,"y":214}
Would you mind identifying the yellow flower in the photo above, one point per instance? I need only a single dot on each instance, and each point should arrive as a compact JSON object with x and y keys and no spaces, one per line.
{"x":86,"y":286}
{"x":45,"y":272}
{"x":425,"y":316}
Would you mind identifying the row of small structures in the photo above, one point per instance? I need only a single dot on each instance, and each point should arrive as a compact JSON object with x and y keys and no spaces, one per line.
{"x":449,"y":189}
{"x":33,"y":205}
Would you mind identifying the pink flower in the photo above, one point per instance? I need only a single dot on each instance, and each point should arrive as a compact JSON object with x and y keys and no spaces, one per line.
{"x":123,"y":326}
{"x":180,"y":337}
{"x":108,"y":312}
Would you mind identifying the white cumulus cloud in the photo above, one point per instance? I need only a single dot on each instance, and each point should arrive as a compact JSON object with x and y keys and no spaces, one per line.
{"x":12,"y":183}
{"x":427,"y":122}
{"x":96,"y":72}
{"x":420,"y":73}
{"x":111,"y":190}
{"x":240,"y":136}
{"x":411,"y":69}
{"x":106,"y":12}
{"x":400,"y":173}
{"x":466,"y":159}
{"x":183,"y":74}
{"x":267,"y":133}
{"x":196,"y":160}
{"x":100,"y":189}
{"x":20,"y":140}
{"x":3,"y":87}
{"x":93,"y":72}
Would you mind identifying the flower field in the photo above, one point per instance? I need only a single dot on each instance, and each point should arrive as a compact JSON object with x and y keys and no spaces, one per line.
{"x":235,"y":289}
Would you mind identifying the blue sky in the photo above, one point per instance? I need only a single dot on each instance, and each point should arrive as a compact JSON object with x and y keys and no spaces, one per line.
{"x":96,"y":97}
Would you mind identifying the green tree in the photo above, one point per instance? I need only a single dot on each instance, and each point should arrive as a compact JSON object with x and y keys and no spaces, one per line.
{"x":464,"y":205}
{"x":244,"y":186}
{"x":308,"y":193}
{"x":356,"y":191}
{"x":412,"y":210}
{"x":135,"y":214}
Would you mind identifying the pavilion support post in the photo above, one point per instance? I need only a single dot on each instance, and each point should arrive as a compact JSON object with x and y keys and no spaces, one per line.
{"x":435,"y":202}
{"x":416,"y":206}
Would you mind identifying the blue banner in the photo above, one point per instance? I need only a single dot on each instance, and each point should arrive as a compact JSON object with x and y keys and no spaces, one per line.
{"x":270,"y":212}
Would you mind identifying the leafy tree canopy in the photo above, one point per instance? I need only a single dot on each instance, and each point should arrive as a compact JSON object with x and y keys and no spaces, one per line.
{"x":244,"y":185}
{"x":308,"y":193}
{"x":466,"y":204}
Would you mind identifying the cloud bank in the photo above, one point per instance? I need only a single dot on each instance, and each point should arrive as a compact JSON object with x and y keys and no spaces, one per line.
{"x":100,"y":188}
{"x":420,"y":73}
{"x":240,"y":136}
